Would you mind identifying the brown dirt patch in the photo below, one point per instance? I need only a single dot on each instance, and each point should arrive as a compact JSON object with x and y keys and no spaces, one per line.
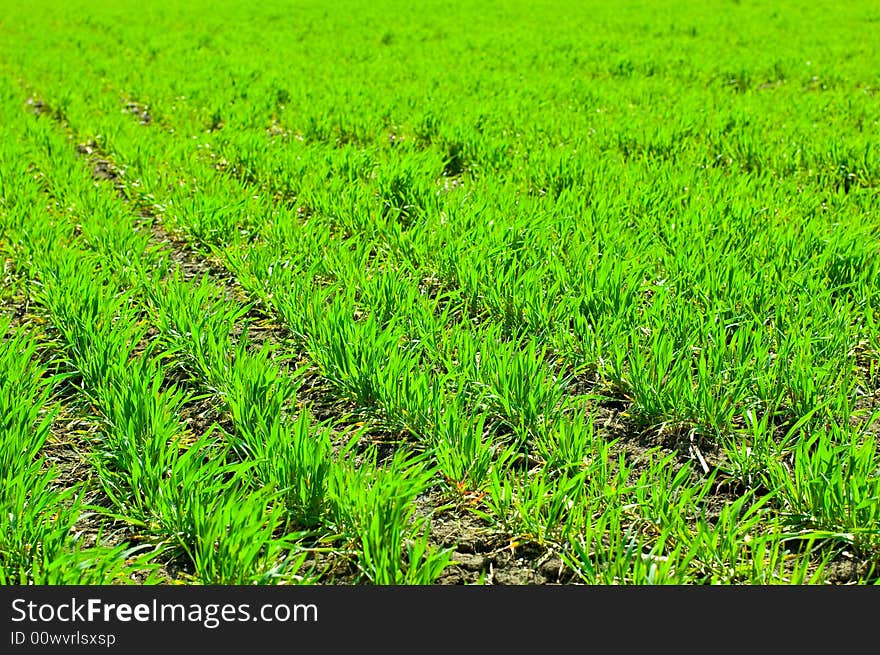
{"x":140,"y":111}
{"x":482,"y":554}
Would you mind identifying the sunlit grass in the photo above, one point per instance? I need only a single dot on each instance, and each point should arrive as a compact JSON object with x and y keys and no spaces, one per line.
{"x":601,"y":283}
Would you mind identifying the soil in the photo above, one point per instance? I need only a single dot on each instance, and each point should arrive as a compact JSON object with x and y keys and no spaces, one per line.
{"x":848,"y":569}
{"x":139,"y":111}
{"x":482,"y":554}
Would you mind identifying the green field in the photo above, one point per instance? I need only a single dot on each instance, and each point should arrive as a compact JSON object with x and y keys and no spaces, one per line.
{"x":382,"y":292}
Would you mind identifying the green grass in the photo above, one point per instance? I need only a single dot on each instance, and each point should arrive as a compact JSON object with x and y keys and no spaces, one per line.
{"x":344,"y":296}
